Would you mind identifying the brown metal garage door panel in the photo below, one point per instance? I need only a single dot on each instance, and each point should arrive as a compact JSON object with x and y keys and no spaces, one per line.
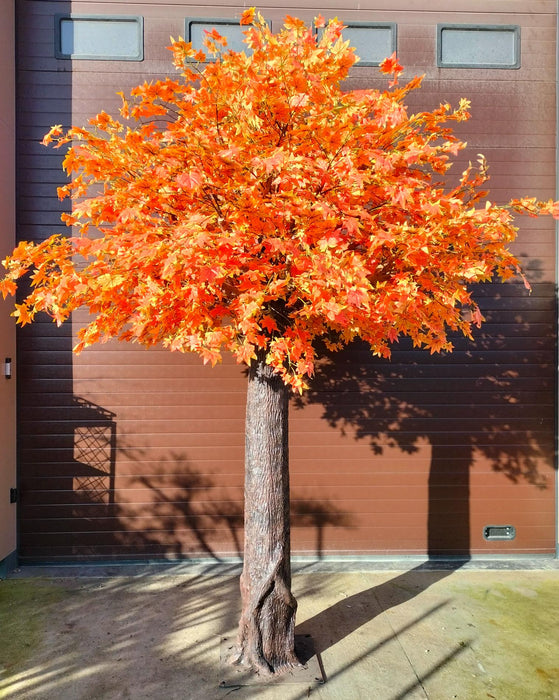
{"x":130,"y":454}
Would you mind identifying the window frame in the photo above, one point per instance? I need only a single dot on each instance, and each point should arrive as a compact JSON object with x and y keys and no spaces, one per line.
{"x":132,"y":19}
{"x":513,"y":29}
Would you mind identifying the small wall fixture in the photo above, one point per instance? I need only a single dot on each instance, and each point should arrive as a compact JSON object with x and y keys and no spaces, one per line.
{"x":499,"y":532}
{"x":8,"y":368}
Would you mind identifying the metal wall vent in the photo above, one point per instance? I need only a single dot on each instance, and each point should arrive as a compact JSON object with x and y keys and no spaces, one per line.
{"x":499,"y":532}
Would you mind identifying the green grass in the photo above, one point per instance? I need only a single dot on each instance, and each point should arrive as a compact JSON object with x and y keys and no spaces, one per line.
{"x":24,"y":612}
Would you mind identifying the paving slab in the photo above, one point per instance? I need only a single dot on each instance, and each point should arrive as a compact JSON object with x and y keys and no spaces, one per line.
{"x":384,"y":634}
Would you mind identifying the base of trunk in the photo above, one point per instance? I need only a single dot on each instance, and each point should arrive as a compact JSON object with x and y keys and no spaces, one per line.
{"x":252,"y":657}
{"x":266,"y":638}
{"x":308,"y":672}
{"x":255,"y":661}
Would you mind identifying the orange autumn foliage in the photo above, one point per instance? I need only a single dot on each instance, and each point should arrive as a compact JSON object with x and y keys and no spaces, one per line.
{"x":254,"y":205}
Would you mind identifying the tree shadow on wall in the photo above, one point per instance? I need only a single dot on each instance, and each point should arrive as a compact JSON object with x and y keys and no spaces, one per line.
{"x":165,"y":508}
{"x":491,"y":399}
{"x":318,"y":515}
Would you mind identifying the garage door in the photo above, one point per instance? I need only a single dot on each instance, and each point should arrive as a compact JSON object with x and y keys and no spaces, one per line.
{"x":132,"y":454}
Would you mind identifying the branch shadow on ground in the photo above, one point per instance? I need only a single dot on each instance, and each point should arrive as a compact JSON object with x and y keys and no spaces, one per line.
{"x":139,"y":636}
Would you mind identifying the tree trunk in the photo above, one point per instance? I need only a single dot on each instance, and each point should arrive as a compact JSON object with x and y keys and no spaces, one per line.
{"x":267,"y":627}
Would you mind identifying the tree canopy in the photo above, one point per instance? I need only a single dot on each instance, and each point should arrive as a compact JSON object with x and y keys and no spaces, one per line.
{"x":254,"y":205}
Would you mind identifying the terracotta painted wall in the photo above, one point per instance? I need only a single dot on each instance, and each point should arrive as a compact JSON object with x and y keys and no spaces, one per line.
{"x":7,"y":237}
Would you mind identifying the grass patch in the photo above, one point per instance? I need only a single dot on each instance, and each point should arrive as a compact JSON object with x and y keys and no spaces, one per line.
{"x":25,"y":607}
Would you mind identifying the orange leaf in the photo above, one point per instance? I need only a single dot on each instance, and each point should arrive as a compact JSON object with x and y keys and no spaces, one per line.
{"x":190,"y":180}
{"x":248,"y":16}
{"x":268,"y":323}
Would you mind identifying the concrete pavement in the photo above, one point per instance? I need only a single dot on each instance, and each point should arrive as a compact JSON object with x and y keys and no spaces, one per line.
{"x":383,"y":631}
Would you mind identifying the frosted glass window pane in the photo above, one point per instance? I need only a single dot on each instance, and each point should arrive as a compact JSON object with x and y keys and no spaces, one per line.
{"x":233,"y":32}
{"x":372,"y":44}
{"x":101,"y":38}
{"x":479,"y":47}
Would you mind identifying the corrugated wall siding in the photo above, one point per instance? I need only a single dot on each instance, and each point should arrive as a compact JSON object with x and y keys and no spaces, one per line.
{"x":128,"y":453}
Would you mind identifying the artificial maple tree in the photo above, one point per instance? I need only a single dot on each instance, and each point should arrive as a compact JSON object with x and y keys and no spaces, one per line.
{"x":254,"y":206}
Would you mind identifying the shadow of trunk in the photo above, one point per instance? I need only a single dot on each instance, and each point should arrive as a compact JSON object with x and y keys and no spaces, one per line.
{"x":345,"y":617}
{"x":448,"y":518}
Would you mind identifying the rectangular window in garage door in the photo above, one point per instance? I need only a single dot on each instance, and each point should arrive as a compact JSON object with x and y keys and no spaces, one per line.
{"x":478,"y":46}
{"x":99,"y":38}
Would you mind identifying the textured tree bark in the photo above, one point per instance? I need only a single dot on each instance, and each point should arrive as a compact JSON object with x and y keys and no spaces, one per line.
{"x":266,"y":638}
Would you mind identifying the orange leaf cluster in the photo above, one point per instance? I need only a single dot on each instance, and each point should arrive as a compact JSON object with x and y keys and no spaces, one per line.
{"x":254,"y":205}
